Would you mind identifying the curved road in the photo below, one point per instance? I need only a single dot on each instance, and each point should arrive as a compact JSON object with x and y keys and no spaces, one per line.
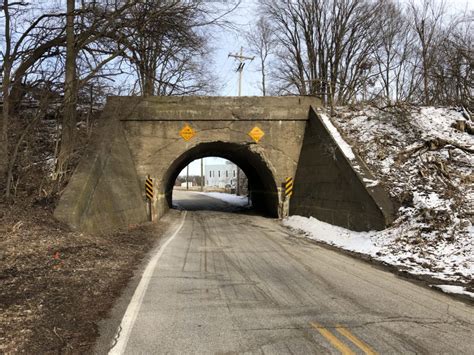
{"x":232,"y":283}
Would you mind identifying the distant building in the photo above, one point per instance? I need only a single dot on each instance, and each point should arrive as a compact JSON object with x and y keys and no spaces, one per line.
{"x":221,"y":175}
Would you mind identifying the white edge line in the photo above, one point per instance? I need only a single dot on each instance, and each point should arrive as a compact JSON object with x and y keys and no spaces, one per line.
{"x":130,"y":316}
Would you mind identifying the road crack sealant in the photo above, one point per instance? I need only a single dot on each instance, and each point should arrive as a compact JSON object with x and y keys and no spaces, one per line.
{"x":125,"y":328}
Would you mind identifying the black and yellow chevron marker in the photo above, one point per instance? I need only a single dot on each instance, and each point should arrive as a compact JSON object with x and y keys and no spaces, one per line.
{"x":149,"y":188}
{"x":288,"y":187}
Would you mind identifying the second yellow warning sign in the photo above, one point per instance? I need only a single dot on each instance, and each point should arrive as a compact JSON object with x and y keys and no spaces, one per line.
{"x":256,"y":134}
{"x":187,"y":133}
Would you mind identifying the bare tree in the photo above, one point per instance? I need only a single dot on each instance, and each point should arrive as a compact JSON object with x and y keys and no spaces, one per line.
{"x":324,"y":46}
{"x":95,"y":24}
{"x":20,"y":51}
{"x":395,"y":55}
{"x":262,"y":42}
{"x":427,"y":19}
{"x":70,"y":92}
{"x":162,"y":45}
{"x":35,"y":48}
{"x":451,"y":74}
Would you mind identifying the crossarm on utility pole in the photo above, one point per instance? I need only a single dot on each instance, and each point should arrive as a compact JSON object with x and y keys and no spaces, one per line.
{"x":241,"y":58}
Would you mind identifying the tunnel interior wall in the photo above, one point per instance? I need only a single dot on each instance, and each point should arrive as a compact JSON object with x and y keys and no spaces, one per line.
{"x":328,"y":187}
{"x":103,"y":194}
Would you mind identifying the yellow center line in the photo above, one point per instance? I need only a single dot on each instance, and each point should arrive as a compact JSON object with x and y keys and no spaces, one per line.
{"x":356,"y":341}
{"x":343,"y":348}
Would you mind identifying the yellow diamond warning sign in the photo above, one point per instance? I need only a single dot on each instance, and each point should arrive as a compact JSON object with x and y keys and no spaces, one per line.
{"x":187,"y":133}
{"x":256,"y":134}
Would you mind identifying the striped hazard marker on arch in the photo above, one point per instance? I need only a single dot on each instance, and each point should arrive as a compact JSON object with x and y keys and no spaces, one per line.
{"x":149,"y":188}
{"x":288,"y":187}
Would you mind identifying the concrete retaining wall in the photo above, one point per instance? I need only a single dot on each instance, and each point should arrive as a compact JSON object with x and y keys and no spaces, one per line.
{"x":104,"y":193}
{"x":328,"y":187}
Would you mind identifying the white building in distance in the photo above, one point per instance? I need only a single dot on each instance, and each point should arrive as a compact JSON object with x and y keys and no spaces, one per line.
{"x":221,"y":175}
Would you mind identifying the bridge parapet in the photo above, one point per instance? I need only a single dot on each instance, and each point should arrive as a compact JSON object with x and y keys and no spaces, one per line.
{"x":204,"y":108}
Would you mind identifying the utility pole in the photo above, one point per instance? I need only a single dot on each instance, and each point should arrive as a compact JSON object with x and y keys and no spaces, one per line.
{"x":187,"y":177}
{"x":202,"y":174}
{"x":237,"y":190}
{"x":241,"y":58}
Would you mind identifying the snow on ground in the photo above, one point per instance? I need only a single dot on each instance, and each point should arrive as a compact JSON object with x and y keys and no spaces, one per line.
{"x":454,"y":289}
{"x":452,"y":264}
{"x":346,"y":148}
{"x":426,"y":165}
{"x":241,"y":201}
{"x":361,"y":242}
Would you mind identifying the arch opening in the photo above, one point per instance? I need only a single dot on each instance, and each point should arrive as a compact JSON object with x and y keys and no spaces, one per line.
{"x":212,"y":183}
{"x":261,"y":183}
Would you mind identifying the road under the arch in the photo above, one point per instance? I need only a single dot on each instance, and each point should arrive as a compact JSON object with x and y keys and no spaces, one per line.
{"x":196,"y":201}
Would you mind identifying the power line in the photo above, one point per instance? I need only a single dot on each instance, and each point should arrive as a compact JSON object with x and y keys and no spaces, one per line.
{"x":241,"y":58}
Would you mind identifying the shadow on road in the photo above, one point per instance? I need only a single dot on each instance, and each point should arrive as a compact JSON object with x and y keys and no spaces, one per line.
{"x":196,"y":201}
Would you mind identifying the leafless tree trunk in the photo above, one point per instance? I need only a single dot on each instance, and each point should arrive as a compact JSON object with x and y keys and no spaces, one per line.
{"x":426,"y":21}
{"x":262,"y":41}
{"x":70,"y":95}
{"x":7,"y":66}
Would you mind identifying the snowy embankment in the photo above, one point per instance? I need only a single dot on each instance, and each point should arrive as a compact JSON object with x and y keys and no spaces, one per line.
{"x":427,"y":167}
{"x":240,"y":201}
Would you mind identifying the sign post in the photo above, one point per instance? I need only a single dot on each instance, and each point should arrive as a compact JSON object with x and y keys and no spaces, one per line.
{"x":149,"y":196}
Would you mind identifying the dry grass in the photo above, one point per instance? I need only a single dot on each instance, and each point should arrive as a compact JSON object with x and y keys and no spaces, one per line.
{"x":57,"y":284}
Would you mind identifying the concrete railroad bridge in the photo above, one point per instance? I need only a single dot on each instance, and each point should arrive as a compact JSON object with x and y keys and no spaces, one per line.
{"x":138,"y":137}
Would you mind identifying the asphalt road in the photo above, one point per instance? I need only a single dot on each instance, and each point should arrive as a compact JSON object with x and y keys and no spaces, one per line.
{"x":192,"y":201}
{"x":234,"y":283}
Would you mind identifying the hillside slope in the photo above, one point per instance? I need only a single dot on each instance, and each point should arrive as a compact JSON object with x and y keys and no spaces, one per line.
{"x":427,"y":166}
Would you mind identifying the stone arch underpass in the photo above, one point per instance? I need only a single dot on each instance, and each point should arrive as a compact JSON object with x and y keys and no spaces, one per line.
{"x":262,"y":185}
{"x":140,"y":137}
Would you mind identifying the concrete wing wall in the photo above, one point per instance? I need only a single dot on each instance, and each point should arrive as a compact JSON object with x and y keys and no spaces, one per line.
{"x":104,"y":193}
{"x":328,"y":186}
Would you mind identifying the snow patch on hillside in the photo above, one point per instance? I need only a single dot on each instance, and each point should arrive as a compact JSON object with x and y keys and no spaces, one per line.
{"x":361,"y":242}
{"x":345,"y":148}
{"x":452,"y":263}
